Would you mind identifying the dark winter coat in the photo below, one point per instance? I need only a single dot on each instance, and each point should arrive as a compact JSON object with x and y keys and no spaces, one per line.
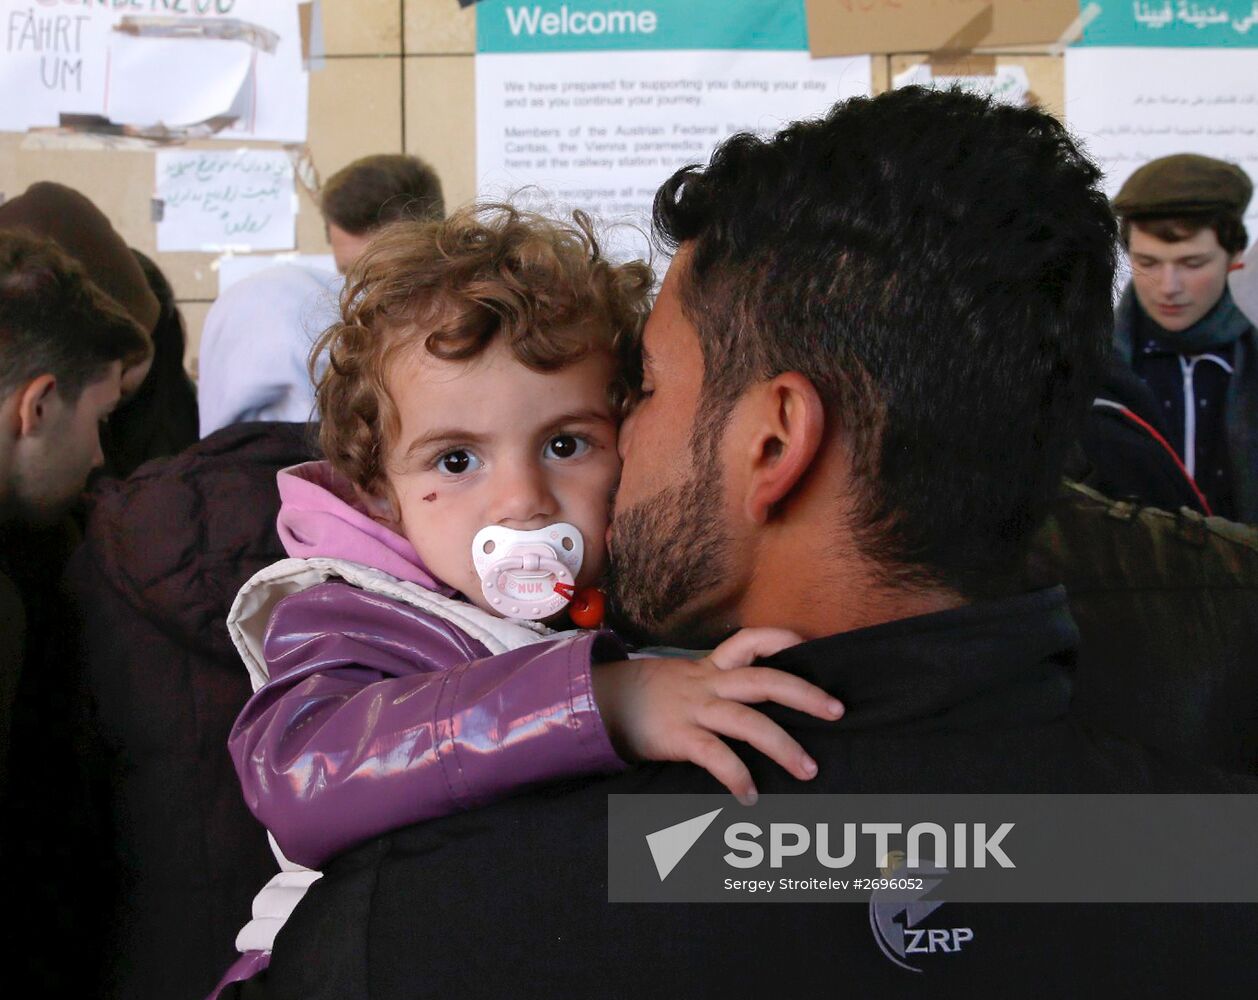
{"x":165,"y":553}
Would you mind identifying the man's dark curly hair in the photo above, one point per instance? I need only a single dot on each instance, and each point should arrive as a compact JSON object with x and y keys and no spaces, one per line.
{"x":940,"y":266}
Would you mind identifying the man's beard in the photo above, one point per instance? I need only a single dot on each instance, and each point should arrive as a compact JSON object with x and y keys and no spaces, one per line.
{"x":667,"y":551}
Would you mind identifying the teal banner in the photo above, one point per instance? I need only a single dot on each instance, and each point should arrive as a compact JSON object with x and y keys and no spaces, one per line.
{"x":629,"y":25}
{"x":1225,"y":24}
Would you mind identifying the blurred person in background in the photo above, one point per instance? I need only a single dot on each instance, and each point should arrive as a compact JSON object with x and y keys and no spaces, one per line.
{"x":1186,"y":372}
{"x":65,"y":347}
{"x":255,"y":347}
{"x":372,"y":191}
{"x":154,"y":417}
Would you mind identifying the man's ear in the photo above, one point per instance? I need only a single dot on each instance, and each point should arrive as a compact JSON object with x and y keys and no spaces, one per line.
{"x":34,"y":404}
{"x":789,"y":428}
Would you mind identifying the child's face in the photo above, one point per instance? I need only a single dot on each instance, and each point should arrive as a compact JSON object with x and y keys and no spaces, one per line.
{"x":491,"y":442}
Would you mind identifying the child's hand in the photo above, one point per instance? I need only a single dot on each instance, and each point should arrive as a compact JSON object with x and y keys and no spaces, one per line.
{"x":667,"y":709}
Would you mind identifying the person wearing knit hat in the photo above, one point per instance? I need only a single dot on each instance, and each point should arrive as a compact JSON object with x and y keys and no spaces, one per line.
{"x":1178,"y":327}
{"x":156,"y":393}
{"x":74,"y":223}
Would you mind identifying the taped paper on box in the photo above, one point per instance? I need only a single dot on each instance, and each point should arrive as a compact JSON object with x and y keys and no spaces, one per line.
{"x":236,"y":64}
{"x":225,"y":201}
{"x":844,"y":27}
{"x":1009,"y":84}
{"x":223,"y":69}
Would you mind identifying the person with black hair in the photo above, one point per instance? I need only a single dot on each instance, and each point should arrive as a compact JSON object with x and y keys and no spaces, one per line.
{"x":874,"y":347}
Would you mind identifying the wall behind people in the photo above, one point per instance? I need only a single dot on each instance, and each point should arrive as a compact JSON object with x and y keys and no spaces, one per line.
{"x":372,"y":92}
{"x":395,"y":76}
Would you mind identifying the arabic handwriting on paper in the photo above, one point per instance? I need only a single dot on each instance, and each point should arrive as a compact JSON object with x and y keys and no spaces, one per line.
{"x":242,"y":200}
{"x":1008,"y":85}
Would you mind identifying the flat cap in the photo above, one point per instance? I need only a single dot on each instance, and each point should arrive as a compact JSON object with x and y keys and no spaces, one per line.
{"x":1184,"y":183}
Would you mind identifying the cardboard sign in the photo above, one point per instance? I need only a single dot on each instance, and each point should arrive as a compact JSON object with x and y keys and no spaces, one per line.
{"x":849,"y":27}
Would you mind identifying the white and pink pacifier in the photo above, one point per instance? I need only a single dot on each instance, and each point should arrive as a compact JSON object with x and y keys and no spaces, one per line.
{"x":528,"y":574}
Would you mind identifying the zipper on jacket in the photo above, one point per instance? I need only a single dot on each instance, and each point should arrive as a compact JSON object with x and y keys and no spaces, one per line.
{"x":1187,"y":365}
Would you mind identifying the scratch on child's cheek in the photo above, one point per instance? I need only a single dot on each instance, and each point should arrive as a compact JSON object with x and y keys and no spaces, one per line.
{"x":431,"y":497}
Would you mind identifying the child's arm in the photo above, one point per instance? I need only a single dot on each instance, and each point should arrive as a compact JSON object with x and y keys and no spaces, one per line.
{"x":663,"y":708}
{"x":396,"y":717}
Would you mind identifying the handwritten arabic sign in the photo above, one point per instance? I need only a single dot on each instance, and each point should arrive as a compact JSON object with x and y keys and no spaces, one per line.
{"x":1175,"y":23}
{"x":1008,"y":84}
{"x":212,"y":201}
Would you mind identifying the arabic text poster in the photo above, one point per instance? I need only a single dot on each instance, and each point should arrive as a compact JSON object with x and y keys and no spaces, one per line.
{"x":1217,"y":24}
{"x":592,"y":105}
{"x":1130,"y":106}
{"x":216,"y":201}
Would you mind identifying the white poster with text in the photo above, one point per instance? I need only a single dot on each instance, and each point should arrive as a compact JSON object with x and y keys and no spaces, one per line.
{"x":589,"y":114}
{"x":1133,"y":105}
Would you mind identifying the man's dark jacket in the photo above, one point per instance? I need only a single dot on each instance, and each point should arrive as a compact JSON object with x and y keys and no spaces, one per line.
{"x":512,"y":900}
{"x":164,"y":553}
{"x":1125,"y":445}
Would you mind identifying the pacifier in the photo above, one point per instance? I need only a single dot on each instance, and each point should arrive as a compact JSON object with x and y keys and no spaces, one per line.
{"x":528,"y":574}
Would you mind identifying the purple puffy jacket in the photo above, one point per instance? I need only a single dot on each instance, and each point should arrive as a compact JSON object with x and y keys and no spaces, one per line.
{"x":377,"y":714}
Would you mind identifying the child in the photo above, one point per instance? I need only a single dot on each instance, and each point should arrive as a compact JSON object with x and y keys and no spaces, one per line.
{"x":470,"y":413}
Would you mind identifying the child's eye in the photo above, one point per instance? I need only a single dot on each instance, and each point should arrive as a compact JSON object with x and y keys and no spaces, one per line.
{"x":566,"y":446}
{"x":456,"y":463}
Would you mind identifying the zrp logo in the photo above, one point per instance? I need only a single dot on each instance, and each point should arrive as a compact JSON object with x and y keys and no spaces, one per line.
{"x":894,"y":915}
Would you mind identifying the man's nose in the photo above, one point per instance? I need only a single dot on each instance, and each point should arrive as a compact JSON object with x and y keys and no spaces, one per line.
{"x":523,"y":496}
{"x":1170,"y":281}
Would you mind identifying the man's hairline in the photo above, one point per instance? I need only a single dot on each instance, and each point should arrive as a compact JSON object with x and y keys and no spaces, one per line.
{"x":97,"y":376}
{"x":1209,"y":222}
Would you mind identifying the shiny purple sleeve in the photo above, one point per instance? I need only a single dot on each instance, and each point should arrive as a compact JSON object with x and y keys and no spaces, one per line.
{"x":378,"y":715}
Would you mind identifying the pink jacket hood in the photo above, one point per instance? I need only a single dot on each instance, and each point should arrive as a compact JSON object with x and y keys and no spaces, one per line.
{"x":320,"y":515}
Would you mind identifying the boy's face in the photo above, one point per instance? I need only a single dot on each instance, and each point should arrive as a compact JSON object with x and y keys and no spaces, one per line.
{"x":52,"y":467}
{"x":491,"y":442}
{"x":1178,"y":283}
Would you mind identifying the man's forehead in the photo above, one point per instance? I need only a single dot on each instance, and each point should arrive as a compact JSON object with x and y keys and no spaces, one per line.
{"x":668,"y":327}
{"x":1143,"y":242}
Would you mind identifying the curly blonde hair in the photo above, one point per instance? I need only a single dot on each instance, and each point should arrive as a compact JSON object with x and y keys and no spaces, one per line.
{"x":488,"y":272}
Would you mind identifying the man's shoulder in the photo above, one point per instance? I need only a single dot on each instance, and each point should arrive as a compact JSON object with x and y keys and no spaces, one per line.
{"x":537,"y":866}
{"x":179,"y":537}
{"x":1051,"y":758}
